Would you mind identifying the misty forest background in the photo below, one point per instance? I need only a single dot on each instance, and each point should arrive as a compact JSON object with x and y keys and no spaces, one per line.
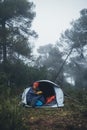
{"x":64,"y":62}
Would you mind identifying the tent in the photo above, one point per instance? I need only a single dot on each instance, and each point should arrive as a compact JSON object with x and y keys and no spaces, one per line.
{"x":49,"y":89}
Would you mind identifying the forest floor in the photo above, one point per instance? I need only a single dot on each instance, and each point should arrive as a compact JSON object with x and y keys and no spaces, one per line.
{"x":13,"y":116}
{"x":54,"y":119}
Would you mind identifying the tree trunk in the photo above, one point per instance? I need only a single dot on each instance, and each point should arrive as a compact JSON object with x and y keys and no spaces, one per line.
{"x":4,"y":42}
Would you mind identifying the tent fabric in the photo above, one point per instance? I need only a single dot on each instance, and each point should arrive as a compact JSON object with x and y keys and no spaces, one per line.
{"x":49,"y":89}
{"x":59,"y":96}
{"x":24,"y":99}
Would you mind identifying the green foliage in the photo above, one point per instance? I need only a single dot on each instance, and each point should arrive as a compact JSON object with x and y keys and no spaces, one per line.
{"x":19,"y":74}
{"x":36,"y":74}
{"x":75,"y":98}
{"x":3,"y":78}
{"x":14,"y":117}
{"x":10,"y":112}
{"x":10,"y":116}
{"x":76,"y":36}
{"x":15,"y":23}
{"x":11,"y":8}
{"x":15,"y":30}
{"x":75,"y":40}
{"x":51,"y":58}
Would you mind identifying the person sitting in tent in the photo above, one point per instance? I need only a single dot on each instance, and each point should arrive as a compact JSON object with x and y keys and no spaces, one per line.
{"x":39,"y":99}
{"x":36,"y":88}
{"x":35,"y":96}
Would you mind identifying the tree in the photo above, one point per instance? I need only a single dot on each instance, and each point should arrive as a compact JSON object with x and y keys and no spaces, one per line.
{"x":16,"y":18}
{"x":76,"y":40}
{"x":15,"y":21}
{"x":76,"y":37}
{"x":51,"y":58}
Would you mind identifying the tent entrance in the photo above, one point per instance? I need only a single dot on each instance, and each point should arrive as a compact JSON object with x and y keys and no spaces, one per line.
{"x":47,"y":88}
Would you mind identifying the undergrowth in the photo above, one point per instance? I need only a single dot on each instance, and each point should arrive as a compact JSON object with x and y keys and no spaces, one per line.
{"x":73,"y":116}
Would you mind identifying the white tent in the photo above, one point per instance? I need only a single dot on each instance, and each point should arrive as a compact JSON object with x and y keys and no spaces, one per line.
{"x":49,"y":89}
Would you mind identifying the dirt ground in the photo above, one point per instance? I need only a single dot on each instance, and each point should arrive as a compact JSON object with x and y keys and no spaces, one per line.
{"x":54,"y":119}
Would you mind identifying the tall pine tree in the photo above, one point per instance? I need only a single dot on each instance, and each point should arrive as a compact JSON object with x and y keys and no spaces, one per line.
{"x":15,"y":28}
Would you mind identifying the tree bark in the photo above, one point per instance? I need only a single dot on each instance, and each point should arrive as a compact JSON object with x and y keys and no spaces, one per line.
{"x":4,"y":42}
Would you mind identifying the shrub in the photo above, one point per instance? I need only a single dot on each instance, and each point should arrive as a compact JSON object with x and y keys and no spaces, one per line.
{"x":11,"y":115}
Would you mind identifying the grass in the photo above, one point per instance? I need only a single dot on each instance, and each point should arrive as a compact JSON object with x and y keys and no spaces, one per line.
{"x":14,"y":117}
